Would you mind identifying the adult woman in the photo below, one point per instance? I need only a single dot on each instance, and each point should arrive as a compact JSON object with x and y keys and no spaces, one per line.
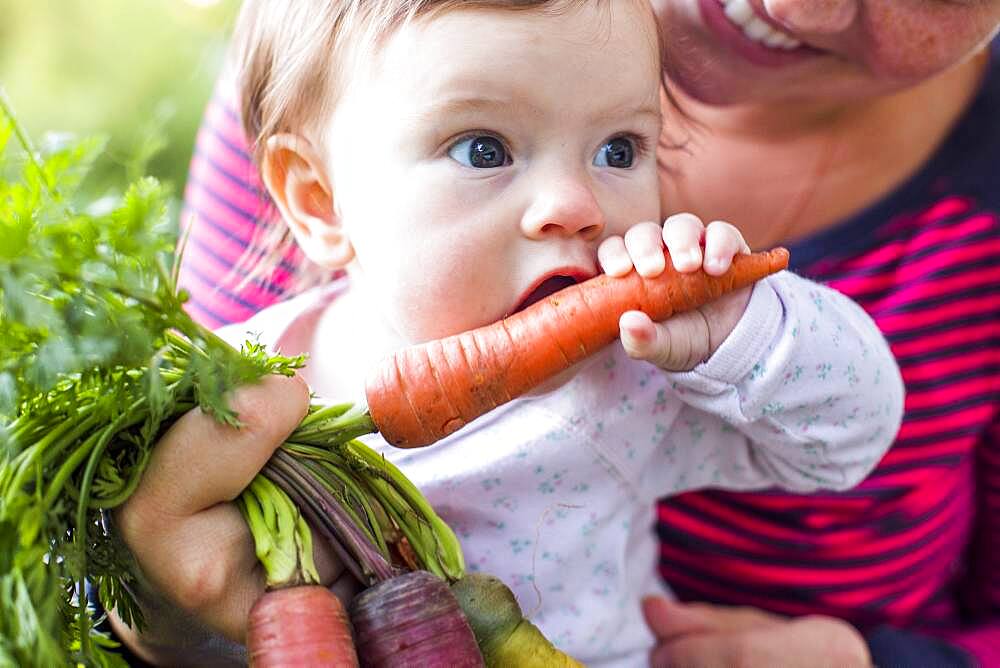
{"x":868,"y":157}
{"x":858,"y":132}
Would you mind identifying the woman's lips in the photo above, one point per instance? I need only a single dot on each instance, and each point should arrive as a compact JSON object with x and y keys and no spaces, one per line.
{"x":749,"y":37}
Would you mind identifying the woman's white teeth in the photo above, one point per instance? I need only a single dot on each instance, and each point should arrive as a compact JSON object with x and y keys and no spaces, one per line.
{"x":739,"y":12}
{"x":756,"y":29}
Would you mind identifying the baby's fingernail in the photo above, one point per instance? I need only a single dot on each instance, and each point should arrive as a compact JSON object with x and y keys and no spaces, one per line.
{"x":715,"y":265}
{"x":649,"y":266}
{"x":618,"y":267}
{"x":632,"y":334}
{"x":687,"y":261}
{"x":633,"y":346}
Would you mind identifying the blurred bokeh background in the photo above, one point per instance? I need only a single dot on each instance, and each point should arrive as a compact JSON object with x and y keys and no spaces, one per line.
{"x":138,"y":72}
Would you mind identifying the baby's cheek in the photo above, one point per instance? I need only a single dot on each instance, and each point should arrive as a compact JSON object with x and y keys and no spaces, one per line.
{"x":434,"y":312}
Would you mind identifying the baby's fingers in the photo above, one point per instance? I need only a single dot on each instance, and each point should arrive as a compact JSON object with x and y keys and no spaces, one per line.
{"x":678,"y":344}
{"x":641,"y":247}
{"x":722,"y":242}
{"x":613,"y":257}
{"x":645,"y":246}
{"x":683,"y":233}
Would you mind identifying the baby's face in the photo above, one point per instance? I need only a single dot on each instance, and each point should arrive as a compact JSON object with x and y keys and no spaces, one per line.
{"x":481,"y":156}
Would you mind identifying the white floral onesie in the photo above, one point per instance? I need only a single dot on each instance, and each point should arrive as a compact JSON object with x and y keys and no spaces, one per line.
{"x":554,"y":493}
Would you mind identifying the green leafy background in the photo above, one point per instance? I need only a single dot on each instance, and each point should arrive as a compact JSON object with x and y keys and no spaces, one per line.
{"x":136,"y":71}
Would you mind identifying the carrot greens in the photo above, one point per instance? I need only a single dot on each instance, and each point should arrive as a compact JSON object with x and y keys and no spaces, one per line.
{"x":97,"y":360}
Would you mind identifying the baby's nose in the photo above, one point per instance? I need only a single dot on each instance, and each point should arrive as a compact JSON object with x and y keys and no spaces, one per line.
{"x":563,"y":207}
{"x":813,"y":16}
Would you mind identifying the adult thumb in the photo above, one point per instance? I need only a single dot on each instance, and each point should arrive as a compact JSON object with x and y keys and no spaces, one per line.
{"x":201,"y":462}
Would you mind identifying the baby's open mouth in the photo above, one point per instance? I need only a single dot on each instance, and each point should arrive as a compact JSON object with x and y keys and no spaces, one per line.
{"x":549,"y":286}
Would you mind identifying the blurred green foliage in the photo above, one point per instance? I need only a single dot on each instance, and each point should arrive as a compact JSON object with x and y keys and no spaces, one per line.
{"x":138,"y":72}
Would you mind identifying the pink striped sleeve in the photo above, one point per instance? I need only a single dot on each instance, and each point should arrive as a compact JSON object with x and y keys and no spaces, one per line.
{"x":225,"y":211}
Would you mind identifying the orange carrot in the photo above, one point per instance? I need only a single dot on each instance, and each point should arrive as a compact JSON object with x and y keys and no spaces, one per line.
{"x":303,"y":626}
{"x":423,"y":393}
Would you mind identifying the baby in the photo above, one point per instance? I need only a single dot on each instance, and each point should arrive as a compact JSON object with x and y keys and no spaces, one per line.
{"x":461,"y":160}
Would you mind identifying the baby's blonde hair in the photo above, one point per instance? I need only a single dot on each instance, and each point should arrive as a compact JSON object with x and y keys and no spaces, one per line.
{"x":288,"y":52}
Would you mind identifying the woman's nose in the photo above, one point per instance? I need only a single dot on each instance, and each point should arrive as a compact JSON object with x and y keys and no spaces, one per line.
{"x":813,"y":16}
{"x":566,"y":207}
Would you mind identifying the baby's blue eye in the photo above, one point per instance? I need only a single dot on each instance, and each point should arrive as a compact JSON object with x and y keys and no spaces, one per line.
{"x":618,"y":152}
{"x":481,"y":152}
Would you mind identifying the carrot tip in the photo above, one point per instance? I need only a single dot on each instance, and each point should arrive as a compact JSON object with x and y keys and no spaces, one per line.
{"x":778,"y":258}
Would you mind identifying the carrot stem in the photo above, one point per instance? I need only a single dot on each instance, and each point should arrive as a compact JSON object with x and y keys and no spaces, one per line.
{"x":283,"y":541}
{"x":360,"y":556}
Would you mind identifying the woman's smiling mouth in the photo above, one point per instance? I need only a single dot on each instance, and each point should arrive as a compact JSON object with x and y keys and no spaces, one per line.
{"x":740,"y":26}
{"x":741,"y":14}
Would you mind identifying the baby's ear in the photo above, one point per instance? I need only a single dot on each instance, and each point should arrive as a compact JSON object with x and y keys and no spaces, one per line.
{"x":294,"y":174}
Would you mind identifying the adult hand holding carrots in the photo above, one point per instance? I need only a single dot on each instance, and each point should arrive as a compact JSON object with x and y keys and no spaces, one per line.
{"x":684,"y":340}
{"x":190,"y":540}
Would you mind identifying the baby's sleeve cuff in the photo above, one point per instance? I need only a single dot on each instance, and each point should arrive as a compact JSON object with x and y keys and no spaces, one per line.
{"x":746,"y":345}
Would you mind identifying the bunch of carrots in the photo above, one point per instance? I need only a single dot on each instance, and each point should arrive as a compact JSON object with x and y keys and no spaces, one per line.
{"x":98,"y":359}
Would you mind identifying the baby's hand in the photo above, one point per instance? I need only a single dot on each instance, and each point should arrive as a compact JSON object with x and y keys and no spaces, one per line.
{"x":679,"y":343}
